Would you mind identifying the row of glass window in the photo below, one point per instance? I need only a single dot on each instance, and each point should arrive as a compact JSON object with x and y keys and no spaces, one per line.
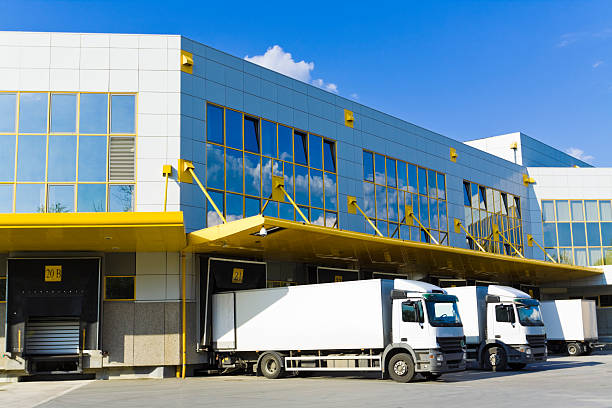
{"x":390,"y":172}
{"x":54,"y":158}
{"x":480,"y":224}
{"x":407,"y":232}
{"x":577,"y":234}
{"x":491,"y":200}
{"x":240,"y":131}
{"x":576,"y":210}
{"x":85,"y":113}
{"x":592,"y":256}
{"x":90,"y":197}
{"x":238,"y":206}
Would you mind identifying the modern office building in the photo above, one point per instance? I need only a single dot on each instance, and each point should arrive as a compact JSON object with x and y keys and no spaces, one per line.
{"x":141,"y":173}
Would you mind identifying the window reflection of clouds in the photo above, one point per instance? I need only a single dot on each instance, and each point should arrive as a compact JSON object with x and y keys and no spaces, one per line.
{"x":214,"y":166}
{"x":33,"y":113}
{"x":330,"y":191}
{"x":252,"y":174}
{"x":316,"y":188}
{"x":234,"y":169}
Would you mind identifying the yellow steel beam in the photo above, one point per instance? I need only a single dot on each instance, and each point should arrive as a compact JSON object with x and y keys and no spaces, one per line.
{"x":530,"y":242}
{"x":410,"y":214}
{"x":459,"y":227}
{"x":189,"y":168}
{"x":352,"y":206}
{"x":167,"y":171}
{"x":278,"y":184}
{"x":497,"y":232}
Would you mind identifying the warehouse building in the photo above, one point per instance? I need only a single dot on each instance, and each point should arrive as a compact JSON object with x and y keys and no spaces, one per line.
{"x":142,"y":173}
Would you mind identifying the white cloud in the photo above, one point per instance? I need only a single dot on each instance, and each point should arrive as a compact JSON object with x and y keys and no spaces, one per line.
{"x":579,"y":154}
{"x":597,"y":64}
{"x":354,"y":96}
{"x":276,"y":59}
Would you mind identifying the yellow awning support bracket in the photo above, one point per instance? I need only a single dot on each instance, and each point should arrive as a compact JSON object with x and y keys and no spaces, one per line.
{"x":498,"y":234}
{"x":531,"y":241}
{"x":166,"y":172}
{"x":459,"y":227}
{"x":351,"y":203}
{"x":278,"y":189}
{"x":187,"y":167}
{"x":410,"y":218}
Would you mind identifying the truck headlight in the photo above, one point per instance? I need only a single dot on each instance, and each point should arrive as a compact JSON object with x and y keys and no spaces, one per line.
{"x":528,"y":350}
{"x":440,"y":357}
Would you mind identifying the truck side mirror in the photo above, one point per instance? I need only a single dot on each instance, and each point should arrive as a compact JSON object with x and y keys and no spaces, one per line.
{"x":492,"y":299}
{"x":398,"y":294}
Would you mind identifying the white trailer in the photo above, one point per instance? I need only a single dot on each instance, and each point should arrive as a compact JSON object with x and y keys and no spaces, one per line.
{"x":398,"y":327}
{"x":502,"y":326}
{"x":571,"y":325}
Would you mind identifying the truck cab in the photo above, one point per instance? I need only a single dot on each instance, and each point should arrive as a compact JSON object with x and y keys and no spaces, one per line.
{"x":426,"y":320}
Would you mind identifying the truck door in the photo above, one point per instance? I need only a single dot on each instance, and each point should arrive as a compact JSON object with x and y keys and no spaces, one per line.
{"x":504,"y":324}
{"x":411,"y":327}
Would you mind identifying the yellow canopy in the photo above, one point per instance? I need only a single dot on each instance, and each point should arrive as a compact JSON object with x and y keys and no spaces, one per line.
{"x":288,"y":240}
{"x":109,"y":232}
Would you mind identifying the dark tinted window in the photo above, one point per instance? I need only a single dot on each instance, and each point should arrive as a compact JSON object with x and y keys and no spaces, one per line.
{"x":504,"y":313}
{"x":119,"y":288}
{"x":329,"y":155}
{"x":301,"y":148}
{"x":251,"y":134}
{"x":368,"y":166}
{"x":412,"y":312}
{"x":214,"y":124}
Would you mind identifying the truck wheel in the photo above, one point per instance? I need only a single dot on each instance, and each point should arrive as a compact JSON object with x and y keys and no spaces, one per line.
{"x":401,"y":368}
{"x":495,"y":359}
{"x":588,"y":350}
{"x":574,"y":349}
{"x":271,"y":366}
{"x":517,"y":366}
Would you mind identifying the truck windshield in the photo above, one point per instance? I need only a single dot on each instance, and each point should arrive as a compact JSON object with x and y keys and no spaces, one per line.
{"x":529,"y":315}
{"x":443,"y":313}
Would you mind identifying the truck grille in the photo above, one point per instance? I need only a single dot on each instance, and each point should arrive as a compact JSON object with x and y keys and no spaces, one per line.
{"x":536,"y":340}
{"x":450,"y":344}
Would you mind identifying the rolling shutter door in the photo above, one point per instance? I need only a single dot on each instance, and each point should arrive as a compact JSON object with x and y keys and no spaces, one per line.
{"x":52,"y":337}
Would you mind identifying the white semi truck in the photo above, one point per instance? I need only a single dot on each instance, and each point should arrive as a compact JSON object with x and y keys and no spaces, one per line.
{"x":503,"y":327}
{"x":395,"y":327}
{"x":571,"y":325}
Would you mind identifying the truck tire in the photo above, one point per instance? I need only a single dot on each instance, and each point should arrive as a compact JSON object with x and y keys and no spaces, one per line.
{"x":401,"y":368}
{"x":574,"y":349}
{"x":495,"y":359}
{"x":517,"y":366}
{"x":271,"y":366}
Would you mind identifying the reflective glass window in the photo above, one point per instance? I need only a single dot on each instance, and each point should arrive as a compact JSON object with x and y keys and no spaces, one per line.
{"x":401,"y":208}
{"x":433,"y":212}
{"x":233,"y":208}
{"x":63,"y":113}
{"x":33,"y":113}
{"x":277,"y":168}
{"x":607,"y":256}
{"x":317,"y":217}
{"x":288,"y":175}
{"x":31,"y":158}
{"x":121,"y":198}
{"x":402,"y":176}
{"x":381,"y":202}
{"x":392,"y":204}
{"x":550,"y":235}
{"x":595,"y":258}
{"x":234,"y":170}
{"x":606,"y":233}
{"x":368,"y":166}
{"x":6,"y":198}
{"x":212,"y":218}
{"x":123,"y":113}
{"x":431,"y":178}
{"x":62,"y":158}
{"x":517,"y":206}
{"x":412,"y":178}
{"x":8,"y":110}
{"x":214,"y":166}
{"x":442,"y":214}
{"x":315,"y":147}
{"x":286,"y":211}
{"x":563,"y":212}
{"x":268,"y":139}
{"x":233,"y":129}
{"x":466,"y":194}
{"x":422,"y":181}
{"x":565,"y":256}
{"x":329,"y":155}
{"x":580,"y":257}
{"x":383,"y":228}
{"x":552,"y":252}
{"x":577,"y":211}
{"x":252,"y":174}
{"x":564,"y":234}
{"x":60,"y":198}
{"x":266,"y":177}
{"x":214,"y":124}
{"x":316,"y":188}
{"x":379,"y":169}
{"x":30,"y":198}
{"x":91,"y":198}
{"x":590,"y":207}
{"x":251,"y":206}
{"x":300,"y":143}
{"x":593,"y":233}
{"x":331,"y":219}
{"x":7,"y":157}
{"x":92,"y":158}
{"x":548,"y":211}
{"x":475,"y":195}
{"x":369,"y":202}
{"x":441,"y":186}
{"x":391,"y":173}
{"x":404,"y":232}
{"x":301,"y":185}
{"x":330,"y":192}
{"x":605,"y":210}
{"x":424,"y":211}
{"x":271,"y":209}
{"x":285,"y":143}
{"x":251,"y":135}
{"x":93,"y":110}
{"x":579,"y":234}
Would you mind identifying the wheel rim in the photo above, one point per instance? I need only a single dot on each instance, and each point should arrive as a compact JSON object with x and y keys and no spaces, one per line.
{"x":493,"y":359}
{"x":572,"y":349}
{"x":271,"y":366}
{"x":400,"y":367}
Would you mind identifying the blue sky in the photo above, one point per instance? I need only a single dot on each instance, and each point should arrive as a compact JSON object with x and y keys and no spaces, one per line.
{"x":465,"y":69}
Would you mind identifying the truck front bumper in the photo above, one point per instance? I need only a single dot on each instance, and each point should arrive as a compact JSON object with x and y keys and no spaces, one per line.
{"x":437,"y":362}
{"x":525,"y":355}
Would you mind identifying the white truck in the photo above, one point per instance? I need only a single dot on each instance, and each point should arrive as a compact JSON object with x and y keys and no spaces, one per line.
{"x":571,"y":325}
{"x":395,"y":327}
{"x":503,"y":327}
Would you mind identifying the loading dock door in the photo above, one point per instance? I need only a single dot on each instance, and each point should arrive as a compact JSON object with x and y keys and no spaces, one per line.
{"x":56,"y":337}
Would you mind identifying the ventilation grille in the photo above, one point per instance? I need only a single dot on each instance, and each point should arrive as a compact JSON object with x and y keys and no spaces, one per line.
{"x":121,"y":162}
